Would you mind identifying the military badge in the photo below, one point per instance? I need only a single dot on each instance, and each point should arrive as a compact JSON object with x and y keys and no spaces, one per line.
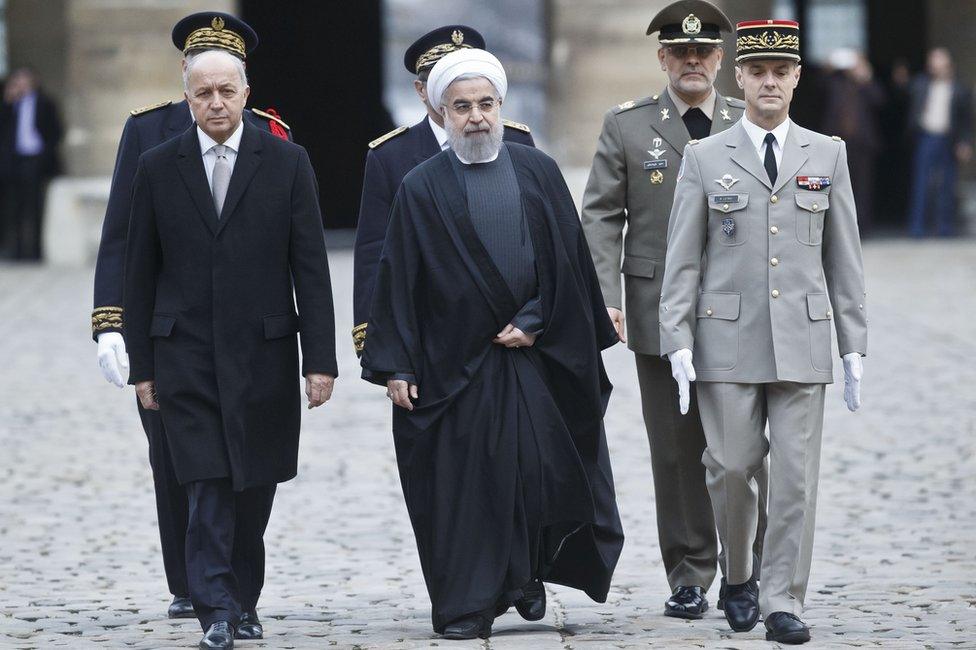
{"x":727,"y":181}
{"x":728,"y":226}
{"x":812,"y":182}
{"x":657,"y":142}
{"x":665,"y":114}
{"x":657,"y":153}
{"x":655,"y":164}
{"x":725,"y":115}
{"x":657,"y":177}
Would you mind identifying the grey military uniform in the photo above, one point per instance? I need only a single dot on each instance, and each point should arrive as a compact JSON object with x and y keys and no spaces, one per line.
{"x":750,"y":267}
{"x":632,"y":183}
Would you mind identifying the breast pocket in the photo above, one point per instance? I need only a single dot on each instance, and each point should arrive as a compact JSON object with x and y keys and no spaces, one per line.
{"x":727,"y":223}
{"x":810,"y":217}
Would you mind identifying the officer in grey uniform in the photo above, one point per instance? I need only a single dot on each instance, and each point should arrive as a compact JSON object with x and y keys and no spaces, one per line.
{"x":762,"y":230}
{"x":632,"y":182}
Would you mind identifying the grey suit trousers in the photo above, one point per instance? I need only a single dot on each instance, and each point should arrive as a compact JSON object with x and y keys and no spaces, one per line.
{"x":734,"y":417}
{"x":685,"y":523}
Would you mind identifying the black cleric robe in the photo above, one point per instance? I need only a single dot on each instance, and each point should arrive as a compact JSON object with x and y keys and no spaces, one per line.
{"x":503,"y":461}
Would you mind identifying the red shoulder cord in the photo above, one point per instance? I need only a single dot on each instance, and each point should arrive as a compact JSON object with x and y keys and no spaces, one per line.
{"x":276,"y":128}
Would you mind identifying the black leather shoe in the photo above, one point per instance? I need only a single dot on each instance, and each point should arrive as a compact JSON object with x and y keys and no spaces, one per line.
{"x":532,"y":605}
{"x":784,"y":627}
{"x":219,"y":635}
{"x":469,"y":627}
{"x":686,"y":602}
{"x":181,"y":607}
{"x":742,"y":606}
{"x":721,"y":594}
{"x":250,"y":627}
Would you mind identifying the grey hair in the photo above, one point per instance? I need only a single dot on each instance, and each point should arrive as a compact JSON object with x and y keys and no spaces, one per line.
{"x":191,"y":60}
{"x":464,"y":77}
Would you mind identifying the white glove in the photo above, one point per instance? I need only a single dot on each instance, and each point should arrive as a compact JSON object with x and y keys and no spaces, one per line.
{"x":683,"y":373}
{"x":852,"y":380}
{"x":112,"y":358}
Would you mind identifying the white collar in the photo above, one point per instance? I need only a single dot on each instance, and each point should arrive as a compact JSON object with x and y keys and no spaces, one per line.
{"x":757,"y":134}
{"x":439,"y":133}
{"x":707,"y":106}
{"x":233,"y":142}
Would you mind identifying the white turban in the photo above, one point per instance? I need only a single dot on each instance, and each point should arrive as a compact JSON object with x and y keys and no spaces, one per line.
{"x":467,"y":61}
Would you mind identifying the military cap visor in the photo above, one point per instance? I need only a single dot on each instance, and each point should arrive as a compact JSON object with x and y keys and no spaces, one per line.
{"x":690,"y":21}
{"x":214,"y":30}
{"x":429,"y":48}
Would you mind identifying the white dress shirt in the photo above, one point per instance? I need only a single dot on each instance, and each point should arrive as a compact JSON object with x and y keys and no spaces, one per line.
{"x":935,"y":114}
{"x":207,"y":144}
{"x":757,"y":135}
{"x":439,"y":133}
{"x":29,"y":141}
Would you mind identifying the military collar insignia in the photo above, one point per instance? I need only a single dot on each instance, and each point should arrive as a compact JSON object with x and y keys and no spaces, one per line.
{"x":725,"y":115}
{"x":727,"y":181}
{"x":665,"y":114}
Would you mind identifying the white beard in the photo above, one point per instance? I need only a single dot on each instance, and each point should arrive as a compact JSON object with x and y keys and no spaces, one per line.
{"x":475,"y":147}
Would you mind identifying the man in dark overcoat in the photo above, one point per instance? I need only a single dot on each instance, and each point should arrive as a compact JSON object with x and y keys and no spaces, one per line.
{"x":225,"y":235}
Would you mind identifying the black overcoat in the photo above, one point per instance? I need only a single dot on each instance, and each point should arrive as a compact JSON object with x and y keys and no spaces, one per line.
{"x":210,"y":304}
{"x":503,"y":461}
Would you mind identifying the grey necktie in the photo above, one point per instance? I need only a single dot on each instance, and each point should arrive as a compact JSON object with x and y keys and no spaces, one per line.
{"x":221,"y":177}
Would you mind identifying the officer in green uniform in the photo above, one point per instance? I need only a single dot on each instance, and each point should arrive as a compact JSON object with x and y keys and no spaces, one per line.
{"x":632,"y":182}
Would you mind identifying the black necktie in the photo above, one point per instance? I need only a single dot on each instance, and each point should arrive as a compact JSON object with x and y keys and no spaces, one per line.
{"x":698,"y":125}
{"x":769,"y":161}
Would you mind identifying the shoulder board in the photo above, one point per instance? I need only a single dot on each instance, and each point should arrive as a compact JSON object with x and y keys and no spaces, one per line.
{"x":269,"y":116}
{"x":634,"y":103}
{"x":735,"y":101}
{"x":516,"y":125}
{"x":837,"y":138}
{"x":151,"y":107}
{"x":383,"y":138}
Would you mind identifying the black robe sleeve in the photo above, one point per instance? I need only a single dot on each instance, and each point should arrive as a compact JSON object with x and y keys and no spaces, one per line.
{"x":142,"y":254}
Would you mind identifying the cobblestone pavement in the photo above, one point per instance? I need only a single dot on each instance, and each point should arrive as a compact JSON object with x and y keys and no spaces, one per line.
{"x":894,"y":565}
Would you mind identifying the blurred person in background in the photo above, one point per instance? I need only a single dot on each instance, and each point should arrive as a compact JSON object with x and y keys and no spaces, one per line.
{"x":895,"y":159}
{"x":941,"y":123}
{"x":30,"y":132}
{"x":854,"y":100}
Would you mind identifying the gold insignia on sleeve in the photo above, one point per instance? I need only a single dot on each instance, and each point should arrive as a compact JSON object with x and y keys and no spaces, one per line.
{"x":383,"y":138}
{"x":151,"y":107}
{"x":359,"y":337}
{"x":105,"y":318}
{"x":269,"y":116}
{"x":516,"y":125}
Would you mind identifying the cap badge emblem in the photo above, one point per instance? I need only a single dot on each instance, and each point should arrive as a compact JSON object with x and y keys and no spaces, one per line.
{"x":217,"y":23}
{"x":691,"y":25}
{"x":457,"y":37}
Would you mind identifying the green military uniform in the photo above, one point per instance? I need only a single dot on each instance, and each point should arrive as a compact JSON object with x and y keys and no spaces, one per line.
{"x":632,"y":183}
{"x":750,"y":264}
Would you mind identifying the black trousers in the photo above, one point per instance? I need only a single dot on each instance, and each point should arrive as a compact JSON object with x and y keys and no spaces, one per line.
{"x":171,"y":503}
{"x":23,"y":207}
{"x":225,"y":548}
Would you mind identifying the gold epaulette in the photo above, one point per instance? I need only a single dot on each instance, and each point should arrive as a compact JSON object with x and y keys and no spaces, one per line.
{"x":837,"y":138}
{"x":383,"y":138}
{"x":151,"y":107}
{"x":269,"y":116}
{"x":106,"y":318}
{"x":516,"y":125}
{"x":359,"y":337}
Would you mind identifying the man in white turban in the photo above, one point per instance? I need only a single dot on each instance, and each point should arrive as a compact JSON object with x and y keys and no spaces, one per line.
{"x":486,"y":328}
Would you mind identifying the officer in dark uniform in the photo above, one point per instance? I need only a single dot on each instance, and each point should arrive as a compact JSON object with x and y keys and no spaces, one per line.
{"x":391,"y":156}
{"x":146,"y":128}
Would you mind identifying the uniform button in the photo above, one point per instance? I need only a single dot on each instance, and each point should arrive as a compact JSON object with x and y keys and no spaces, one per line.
{"x":774,"y":261}
{"x":775,"y":293}
{"x":815,"y":207}
{"x":708,"y":312}
{"x":773,"y":199}
{"x":725,"y":206}
{"x":860,"y":306}
{"x":773,"y":229}
{"x":829,"y":314}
